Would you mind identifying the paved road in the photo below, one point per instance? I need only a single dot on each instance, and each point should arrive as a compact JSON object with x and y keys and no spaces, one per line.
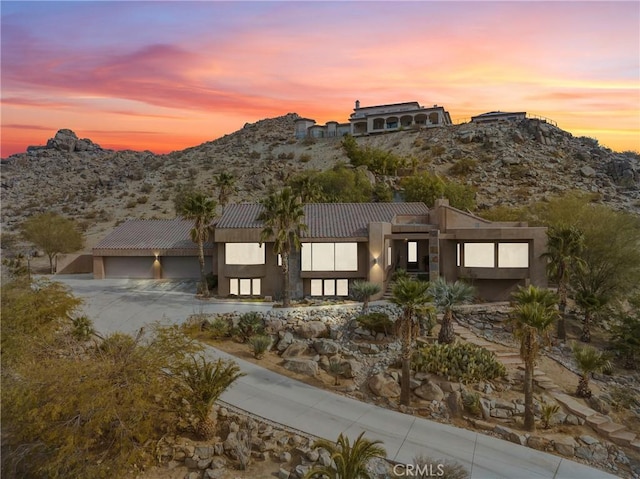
{"x":127,"y":305}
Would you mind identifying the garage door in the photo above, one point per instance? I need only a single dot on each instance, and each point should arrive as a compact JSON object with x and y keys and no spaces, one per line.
{"x":129,"y":267}
{"x":181,"y":267}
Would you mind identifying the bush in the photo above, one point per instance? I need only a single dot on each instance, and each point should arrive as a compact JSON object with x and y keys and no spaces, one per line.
{"x":82,"y":328}
{"x":459,"y":362}
{"x":212,"y":281}
{"x":250,"y":324}
{"x":463,"y":167}
{"x":219,"y":328}
{"x":471,"y":402}
{"x":259,"y":344}
{"x":376,"y":322}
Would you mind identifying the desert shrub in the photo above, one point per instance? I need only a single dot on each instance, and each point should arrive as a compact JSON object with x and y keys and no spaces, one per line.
{"x":259,"y":344}
{"x":131,"y":204}
{"x":463,"y":166}
{"x":146,"y":188}
{"x":382,"y":193}
{"x":305,"y":158}
{"x":459,"y":362}
{"x":400,"y":273}
{"x":438,"y":150}
{"x":219,"y":328}
{"x":376,"y":160}
{"x":82,"y":328}
{"x":471,"y":403}
{"x":547,"y":410}
{"x":142,"y":199}
{"x":249,"y":325}
{"x":254,"y":155}
{"x":377,"y":322}
{"x":308,"y":141}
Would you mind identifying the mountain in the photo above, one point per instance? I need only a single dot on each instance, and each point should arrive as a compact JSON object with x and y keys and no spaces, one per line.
{"x":509,"y":163}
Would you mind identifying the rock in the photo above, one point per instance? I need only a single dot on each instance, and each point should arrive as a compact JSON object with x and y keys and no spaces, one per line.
{"x":65,"y":140}
{"x":285,"y":456}
{"x":510,"y":435}
{"x":599,"y":405}
{"x":538,"y":442}
{"x":430,"y":391}
{"x":588,"y":440}
{"x":565,"y":446}
{"x":500,"y":413}
{"x":295,"y":349}
{"x":571,"y":419}
{"x":326,"y":346}
{"x":302,"y":366}
{"x":351,"y":368}
{"x":204,"y":452}
{"x":313,"y":455}
{"x":587,"y":172}
{"x":384,"y":386}
{"x":584,"y":453}
{"x":214,"y":474}
{"x":312,"y":329}
{"x":454,"y":402}
{"x":192,"y":475}
{"x":485,"y":407}
{"x":283,"y":474}
{"x":600,"y":453}
{"x":286,"y":338}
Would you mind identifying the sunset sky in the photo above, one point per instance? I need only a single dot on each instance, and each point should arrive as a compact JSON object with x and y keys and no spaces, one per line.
{"x":163,"y":76}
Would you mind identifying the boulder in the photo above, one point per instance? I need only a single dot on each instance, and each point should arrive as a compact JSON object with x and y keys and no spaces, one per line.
{"x":65,"y":140}
{"x":326,"y":346}
{"x":286,"y":338}
{"x":430,"y":391}
{"x":312,"y":329}
{"x":295,"y":349}
{"x":454,"y":402}
{"x":302,"y":366}
{"x":384,"y":386}
{"x":565,"y":446}
{"x":351,"y":368}
{"x":587,"y":171}
{"x":538,"y":442}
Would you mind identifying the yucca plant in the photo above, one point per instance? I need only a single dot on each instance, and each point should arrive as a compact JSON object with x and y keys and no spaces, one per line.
{"x":250,"y":324}
{"x":259,"y":345}
{"x":547,"y":412}
{"x":362,"y":291}
{"x":349,"y":461}
{"x":205,"y":381}
{"x":335,"y":368}
{"x":589,"y":360}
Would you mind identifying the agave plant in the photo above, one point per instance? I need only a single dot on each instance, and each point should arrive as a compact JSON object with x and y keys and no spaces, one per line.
{"x":547,"y":412}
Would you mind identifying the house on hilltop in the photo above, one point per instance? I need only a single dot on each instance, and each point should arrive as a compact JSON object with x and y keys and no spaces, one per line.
{"x":344,"y":242}
{"x":376,"y":119}
{"x":495,"y":116}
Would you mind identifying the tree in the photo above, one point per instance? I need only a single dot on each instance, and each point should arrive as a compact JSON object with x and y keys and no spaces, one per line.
{"x":362,"y":291}
{"x":626,"y":334}
{"x":336,"y":185}
{"x":564,"y":247}
{"x":283,"y":218}
{"x":225,"y":182}
{"x":409,"y":294}
{"x":52,"y":233}
{"x":427,"y":188}
{"x":533,"y":315}
{"x":591,"y":303}
{"x":349,"y":461}
{"x":202,"y":210}
{"x":205,"y":381}
{"x":589,"y":361}
{"x":446,"y":296}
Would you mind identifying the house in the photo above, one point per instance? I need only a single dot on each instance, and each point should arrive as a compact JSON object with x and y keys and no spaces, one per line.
{"x":344,"y":242}
{"x":495,"y":116}
{"x":376,"y":119}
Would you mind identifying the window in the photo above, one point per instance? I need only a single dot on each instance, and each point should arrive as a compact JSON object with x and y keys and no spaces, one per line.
{"x":329,"y":257}
{"x":513,"y":255}
{"x":244,"y":253}
{"x":412,"y":252}
{"x":329,"y":287}
{"x":388,"y":256}
{"x":244,"y":286}
{"x":479,"y":255}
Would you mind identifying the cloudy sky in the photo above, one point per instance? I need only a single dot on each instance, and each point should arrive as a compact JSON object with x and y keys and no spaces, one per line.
{"x":163,"y":76}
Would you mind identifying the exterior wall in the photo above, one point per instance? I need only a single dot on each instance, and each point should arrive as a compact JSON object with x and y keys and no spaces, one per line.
{"x":270,"y":273}
{"x":98,"y":267}
{"x":74,"y":263}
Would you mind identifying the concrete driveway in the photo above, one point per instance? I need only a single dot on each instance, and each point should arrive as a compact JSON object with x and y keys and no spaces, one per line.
{"x":127,"y":305}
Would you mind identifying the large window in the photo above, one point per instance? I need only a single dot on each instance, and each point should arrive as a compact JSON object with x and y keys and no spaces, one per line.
{"x":513,"y":255}
{"x":244,"y":286}
{"x":479,"y":255}
{"x":330,"y":257}
{"x":329,"y":287}
{"x":244,"y":253}
{"x":483,"y":255}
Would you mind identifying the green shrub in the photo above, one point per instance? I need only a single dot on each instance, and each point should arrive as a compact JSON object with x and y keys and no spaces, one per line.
{"x":471,"y":402}
{"x":82,"y":328}
{"x":376,"y":322}
{"x":250,"y":324}
{"x":463,"y":167}
{"x":146,"y":188}
{"x":142,"y":199}
{"x":219,"y":328}
{"x":547,"y":410}
{"x":259,"y":344}
{"x":305,"y":158}
{"x":459,"y":362}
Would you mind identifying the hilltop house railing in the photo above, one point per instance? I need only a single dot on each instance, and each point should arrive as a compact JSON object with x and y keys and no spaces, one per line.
{"x":529,"y":116}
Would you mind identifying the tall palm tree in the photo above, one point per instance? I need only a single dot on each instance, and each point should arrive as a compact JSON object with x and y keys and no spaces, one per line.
{"x":362,"y":291}
{"x":349,"y":461}
{"x":446,"y":296}
{"x":533,"y":315}
{"x":410,"y":295}
{"x":591,"y":302}
{"x":283,"y":217}
{"x":564,"y":248}
{"x":589,"y":360}
{"x":202,"y":210}
{"x":225,"y":182}
{"x":205,"y":381}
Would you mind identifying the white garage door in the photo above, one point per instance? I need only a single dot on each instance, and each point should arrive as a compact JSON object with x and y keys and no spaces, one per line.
{"x":183,"y":267}
{"x":129,"y":267}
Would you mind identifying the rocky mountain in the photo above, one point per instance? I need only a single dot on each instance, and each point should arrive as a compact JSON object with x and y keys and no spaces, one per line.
{"x":508,"y":163}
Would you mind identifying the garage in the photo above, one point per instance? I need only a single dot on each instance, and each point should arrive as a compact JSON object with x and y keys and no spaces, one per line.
{"x":135,"y":267}
{"x":183,"y":267}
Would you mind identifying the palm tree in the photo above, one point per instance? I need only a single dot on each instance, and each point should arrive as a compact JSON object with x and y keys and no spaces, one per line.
{"x":591,"y":302}
{"x":362,"y":291}
{"x":349,"y":461}
{"x":202,"y":210}
{"x":564,"y":247}
{"x":205,"y":381}
{"x":534,"y":313}
{"x":409,"y":294}
{"x":446,"y":296}
{"x":225,"y":182}
{"x":283,"y":217}
{"x":589,"y":360}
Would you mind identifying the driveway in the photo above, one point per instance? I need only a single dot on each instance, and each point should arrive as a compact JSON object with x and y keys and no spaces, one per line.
{"x":127,"y":305}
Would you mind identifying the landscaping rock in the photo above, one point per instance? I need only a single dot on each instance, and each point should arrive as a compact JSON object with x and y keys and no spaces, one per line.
{"x":312,"y":329}
{"x":384,"y":386}
{"x":326,"y":346}
{"x":565,"y":446}
{"x":430,"y":391}
{"x":454,"y":403}
{"x":538,"y":442}
{"x":302,"y":366}
{"x":295,"y":349}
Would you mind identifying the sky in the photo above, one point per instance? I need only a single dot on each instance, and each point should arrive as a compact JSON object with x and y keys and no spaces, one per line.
{"x":167,"y":75}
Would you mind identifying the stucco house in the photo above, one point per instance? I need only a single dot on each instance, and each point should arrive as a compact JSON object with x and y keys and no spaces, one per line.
{"x":376,"y":119}
{"x":496,"y":116}
{"x":344,"y":242}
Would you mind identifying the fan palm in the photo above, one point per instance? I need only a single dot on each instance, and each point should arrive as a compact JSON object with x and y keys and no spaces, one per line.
{"x":202,"y":210}
{"x":349,"y":461}
{"x":225,"y":182}
{"x":589,"y":360}
{"x":205,"y":381}
{"x":410,"y":295}
{"x":446,"y":296}
{"x":533,"y":315}
{"x":362,"y":291}
{"x":283,"y":217}
{"x":591,"y":303}
{"x":564,"y":247}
